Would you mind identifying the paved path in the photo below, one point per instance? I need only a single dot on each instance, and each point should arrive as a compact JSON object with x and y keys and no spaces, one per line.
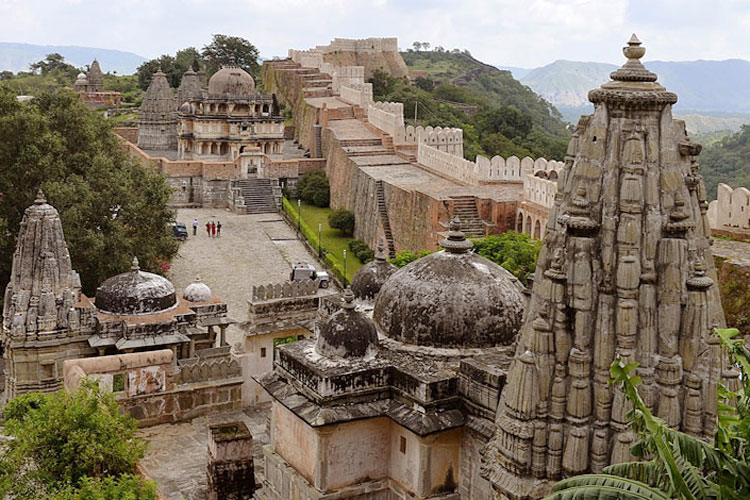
{"x":177,"y":457}
{"x":252,"y":250}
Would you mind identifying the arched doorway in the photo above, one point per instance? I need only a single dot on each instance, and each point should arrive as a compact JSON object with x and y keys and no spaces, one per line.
{"x":537,"y":230}
{"x":519,"y":223}
{"x":527,"y":227}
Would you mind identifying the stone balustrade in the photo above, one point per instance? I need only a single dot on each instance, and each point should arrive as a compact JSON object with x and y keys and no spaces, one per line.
{"x":291,"y":289}
{"x":358,"y":94}
{"x":731,"y":209}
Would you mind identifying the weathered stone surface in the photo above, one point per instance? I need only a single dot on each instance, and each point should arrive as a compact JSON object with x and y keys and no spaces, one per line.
{"x":451,"y":298}
{"x":626,"y":269}
{"x":135,"y":292}
{"x":157,"y":123}
{"x":369,"y":279}
{"x":230,"y":475}
{"x":348,"y":333}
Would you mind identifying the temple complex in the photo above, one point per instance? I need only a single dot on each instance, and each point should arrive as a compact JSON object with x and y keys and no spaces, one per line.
{"x":626,"y":270}
{"x":47,"y":320}
{"x":399,"y":386}
{"x":90,"y":86}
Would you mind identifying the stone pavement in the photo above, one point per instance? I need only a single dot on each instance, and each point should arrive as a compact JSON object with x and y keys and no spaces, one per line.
{"x":177,"y":457}
{"x":252,"y":250}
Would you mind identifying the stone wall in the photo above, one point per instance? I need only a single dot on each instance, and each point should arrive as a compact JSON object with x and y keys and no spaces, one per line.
{"x":358,"y":94}
{"x":388,"y":117}
{"x":450,"y":140}
{"x":153,"y":390}
{"x":730,"y":212}
{"x":369,"y":53}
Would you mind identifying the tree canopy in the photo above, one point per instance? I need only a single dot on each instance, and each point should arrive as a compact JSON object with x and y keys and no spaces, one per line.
{"x":112,"y":207}
{"x":71,"y":445}
{"x":726,"y":161}
{"x":516,"y":252}
{"x":223,"y":49}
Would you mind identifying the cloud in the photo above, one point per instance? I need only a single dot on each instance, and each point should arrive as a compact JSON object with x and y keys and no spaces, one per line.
{"x":503,"y":32}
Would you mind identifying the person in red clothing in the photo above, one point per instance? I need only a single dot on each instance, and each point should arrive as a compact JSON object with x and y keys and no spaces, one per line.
{"x":213,"y":230}
{"x":208,"y":229}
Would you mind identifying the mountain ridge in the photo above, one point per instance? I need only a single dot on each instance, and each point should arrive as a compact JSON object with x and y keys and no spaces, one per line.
{"x":18,"y":56}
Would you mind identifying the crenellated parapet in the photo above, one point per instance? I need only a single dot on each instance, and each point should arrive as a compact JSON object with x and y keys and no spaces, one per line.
{"x":731,"y":210}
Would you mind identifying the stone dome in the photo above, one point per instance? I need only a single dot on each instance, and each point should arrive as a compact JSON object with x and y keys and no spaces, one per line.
{"x":368,"y":279}
{"x":197,"y":292}
{"x":135,"y":292}
{"x":231,"y":80}
{"x":452,"y":298}
{"x":185,"y":108}
{"x":347,"y":333}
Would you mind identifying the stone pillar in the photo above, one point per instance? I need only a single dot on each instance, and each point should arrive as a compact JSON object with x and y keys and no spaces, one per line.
{"x":230,"y":474}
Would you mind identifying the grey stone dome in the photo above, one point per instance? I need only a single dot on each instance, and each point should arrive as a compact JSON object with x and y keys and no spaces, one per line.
{"x":197,"y":291}
{"x":135,"y":292}
{"x":185,"y":108}
{"x":231,"y":80}
{"x":453,"y":298}
{"x":347,"y":333}
{"x":368,"y":279}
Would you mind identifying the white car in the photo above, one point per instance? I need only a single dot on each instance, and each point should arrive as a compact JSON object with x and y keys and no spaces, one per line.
{"x":302,"y":271}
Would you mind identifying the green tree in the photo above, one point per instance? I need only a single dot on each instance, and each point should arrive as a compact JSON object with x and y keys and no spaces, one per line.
{"x":70,"y":440}
{"x":54,"y":63}
{"x":112,"y":207}
{"x":343,"y":220}
{"x":314,"y":189}
{"x":224,"y":49}
{"x":405,"y":257}
{"x":516,"y":252}
{"x":675,"y":465}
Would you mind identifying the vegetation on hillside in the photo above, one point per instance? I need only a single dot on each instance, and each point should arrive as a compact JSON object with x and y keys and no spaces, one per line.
{"x":112,"y":207}
{"x":509,"y":120}
{"x":727,"y":160}
{"x":223,"y":49}
{"x":674,"y":465}
{"x":516,"y":252}
{"x":71,"y":446}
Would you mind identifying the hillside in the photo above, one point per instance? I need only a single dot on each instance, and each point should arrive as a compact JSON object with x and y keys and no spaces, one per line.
{"x":487,"y":85}
{"x":727,"y":160}
{"x":18,"y":56}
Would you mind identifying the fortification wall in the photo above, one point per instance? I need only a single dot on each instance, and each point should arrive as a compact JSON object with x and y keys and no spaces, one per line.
{"x":730,"y":212}
{"x":358,"y":94}
{"x":368,"y":53}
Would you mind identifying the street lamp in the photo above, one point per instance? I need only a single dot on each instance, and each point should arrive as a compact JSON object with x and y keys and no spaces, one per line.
{"x":344,"y":268}
{"x":320,"y":228}
{"x":299,"y":214}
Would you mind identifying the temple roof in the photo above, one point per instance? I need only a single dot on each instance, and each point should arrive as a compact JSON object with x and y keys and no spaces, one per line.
{"x":231,"y":81}
{"x":135,"y":292}
{"x":369,"y":278}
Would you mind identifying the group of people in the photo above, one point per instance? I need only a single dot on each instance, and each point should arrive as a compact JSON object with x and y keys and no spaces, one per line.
{"x":213,"y":228}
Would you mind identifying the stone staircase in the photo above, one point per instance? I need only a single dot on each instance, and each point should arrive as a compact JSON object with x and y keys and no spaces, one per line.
{"x":383,"y":212}
{"x":258,"y":195}
{"x":360,"y":142}
{"x":345,"y":113}
{"x":466,"y":209}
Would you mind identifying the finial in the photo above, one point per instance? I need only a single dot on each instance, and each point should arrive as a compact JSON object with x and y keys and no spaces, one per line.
{"x":348,"y":299}
{"x":380,"y":253}
{"x":456,"y":241}
{"x":633,"y":51}
{"x":633,"y":70}
{"x":40,"y":198}
{"x":134,"y":266}
{"x":198,"y":278}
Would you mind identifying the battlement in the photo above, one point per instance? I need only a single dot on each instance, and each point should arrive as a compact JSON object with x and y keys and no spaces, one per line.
{"x":389,"y":44}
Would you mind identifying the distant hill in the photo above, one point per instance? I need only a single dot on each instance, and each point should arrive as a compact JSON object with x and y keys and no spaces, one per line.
{"x":491,"y":85}
{"x":17,"y":57}
{"x":706,"y":89}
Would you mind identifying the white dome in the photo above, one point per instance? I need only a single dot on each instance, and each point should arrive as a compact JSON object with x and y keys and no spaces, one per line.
{"x":197,"y":292}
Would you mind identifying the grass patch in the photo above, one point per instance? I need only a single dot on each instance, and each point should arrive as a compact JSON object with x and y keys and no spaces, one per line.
{"x":333,"y":242}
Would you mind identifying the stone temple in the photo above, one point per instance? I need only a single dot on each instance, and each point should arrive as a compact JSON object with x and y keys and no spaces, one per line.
{"x":626,"y":270}
{"x":47,"y":320}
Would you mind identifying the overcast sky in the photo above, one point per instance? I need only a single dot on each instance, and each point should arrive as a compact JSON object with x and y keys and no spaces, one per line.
{"x":521,"y":33}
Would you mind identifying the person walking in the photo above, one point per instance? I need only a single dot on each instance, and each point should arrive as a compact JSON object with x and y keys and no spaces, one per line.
{"x":195,"y":226}
{"x":208,"y":229}
{"x":213,"y":230}
{"x":218,"y":229}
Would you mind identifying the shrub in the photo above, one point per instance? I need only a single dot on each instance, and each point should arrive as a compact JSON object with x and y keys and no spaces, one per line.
{"x":366,"y":255}
{"x":405,"y":257}
{"x":313,"y":188}
{"x":516,"y":252}
{"x":343,"y":220}
{"x":360,"y":249}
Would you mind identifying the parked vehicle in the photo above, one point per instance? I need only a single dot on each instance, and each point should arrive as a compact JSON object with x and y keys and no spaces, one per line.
{"x":180,"y":230}
{"x":302,"y":271}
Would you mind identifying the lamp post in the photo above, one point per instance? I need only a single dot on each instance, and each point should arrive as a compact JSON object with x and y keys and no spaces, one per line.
{"x":320,"y":228}
{"x":299,"y":214}
{"x":344,"y":268}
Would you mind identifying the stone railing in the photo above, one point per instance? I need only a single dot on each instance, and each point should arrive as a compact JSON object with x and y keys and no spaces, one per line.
{"x":447,"y":164}
{"x":207,"y":368}
{"x":731,"y":209}
{"x":450,"y":140}
{"x":484,"y":170}
{"x":388,"y":117}
{"x":290,"y":289}
{"x":358,"y":94}
{"x":539,"y":190}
